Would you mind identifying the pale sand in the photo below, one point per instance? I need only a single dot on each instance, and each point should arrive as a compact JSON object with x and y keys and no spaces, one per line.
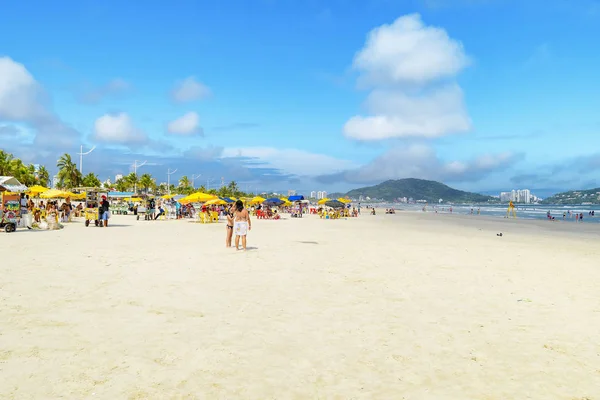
{"x":408,"y":306}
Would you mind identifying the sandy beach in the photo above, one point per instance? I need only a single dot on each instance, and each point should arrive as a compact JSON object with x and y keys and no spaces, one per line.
{"x":405,"y":306}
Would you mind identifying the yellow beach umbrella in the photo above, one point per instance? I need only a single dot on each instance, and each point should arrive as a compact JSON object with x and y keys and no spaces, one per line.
{"x":133,"y":199}
{"x":257,"y":200}
{"x":54,"y":194}
{"x":217,"y":202}
{"x":197,"y":197}
{"x":345,"y":201}
{"x":323,"y":201}
{"x":168,"y":196}
{"x":37,"y":189}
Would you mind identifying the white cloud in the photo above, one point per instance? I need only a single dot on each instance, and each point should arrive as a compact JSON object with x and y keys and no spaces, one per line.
{"x":118,"y":129}
{"x":291,"y":161}
{"x":407,"y":63}
{"x":187,"y":125}
{"x":189,"y":90}
{"x":407,"y":51}
{"x":19,"y":92}
{"x":400,"y":115}
{"x":23,"y":100}
{"x":421,"y":161}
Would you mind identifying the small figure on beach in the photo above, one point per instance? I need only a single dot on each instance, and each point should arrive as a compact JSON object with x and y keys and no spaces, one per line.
{"x":229,"y":226}
{"x":241,"y":224}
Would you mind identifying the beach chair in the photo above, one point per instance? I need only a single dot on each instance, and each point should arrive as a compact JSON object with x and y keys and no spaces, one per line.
{"x":214,"y":216}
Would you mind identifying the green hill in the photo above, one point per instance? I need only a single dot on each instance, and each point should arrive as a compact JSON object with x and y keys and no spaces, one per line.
{"x":575,"y":197}
{"x":418,"y":189}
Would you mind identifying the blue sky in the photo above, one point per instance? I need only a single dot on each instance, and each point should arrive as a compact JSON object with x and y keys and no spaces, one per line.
{"x":308,"y":95}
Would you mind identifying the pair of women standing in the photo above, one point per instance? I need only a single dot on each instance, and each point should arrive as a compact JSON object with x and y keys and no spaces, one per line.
{"x":238,"y":222}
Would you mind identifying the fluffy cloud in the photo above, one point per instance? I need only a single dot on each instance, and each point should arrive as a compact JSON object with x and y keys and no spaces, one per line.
{"x":186,"y":125}
{"x":189,"y":90}
{"x":23,"y":100}
{"x":400,"y":115}
{"x":421,"y":161}
{"x":408,"y":65}
{"x":290,"y":161}
{"x":118,"y":129}
{"x":93,"y":95}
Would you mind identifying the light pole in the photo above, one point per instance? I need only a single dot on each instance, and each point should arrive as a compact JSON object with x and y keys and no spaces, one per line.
{"x":169,"y":173}
{"x":135,"y":167}
{"x":208,"y":181}
{"x":194,"y":177}
{"x":81,"y":154}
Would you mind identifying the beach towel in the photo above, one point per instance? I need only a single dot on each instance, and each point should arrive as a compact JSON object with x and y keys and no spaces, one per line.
{"x":240,"y":228}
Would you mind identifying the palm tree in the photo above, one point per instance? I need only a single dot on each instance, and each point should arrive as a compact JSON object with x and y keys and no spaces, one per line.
{"x":184,"y":182}
{"x":68,"y":174}
{"x":91,"y":180}
{"x":132,"y":180}
{"x":147,"y":182}
{"x":122,"y":185}
{"x":43,"y":176}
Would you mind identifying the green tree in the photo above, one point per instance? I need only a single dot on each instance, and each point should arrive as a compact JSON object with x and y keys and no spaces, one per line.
{"x":122,"y":185}
{"x":185,"y":182}
{"x":91,"y":180}
{"x":132,"y":180}
{"x":147,"y":182}
{"x":43,"y":176}
{"x":68,"y":174}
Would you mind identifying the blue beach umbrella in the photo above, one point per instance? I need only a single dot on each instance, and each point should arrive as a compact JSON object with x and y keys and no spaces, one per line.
{"x":273,"y":201}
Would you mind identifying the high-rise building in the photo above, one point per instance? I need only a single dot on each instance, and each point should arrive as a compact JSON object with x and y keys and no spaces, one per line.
{"x":313,"y":195}
{"x":55,"y":181}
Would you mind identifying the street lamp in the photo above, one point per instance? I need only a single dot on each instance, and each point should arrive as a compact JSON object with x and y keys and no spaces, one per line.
{"x":135,"y":167}
{"x":208,"y":181}
{"x":194,"y":177}
{"x":81,"y":154}
{"x":169,"y":173}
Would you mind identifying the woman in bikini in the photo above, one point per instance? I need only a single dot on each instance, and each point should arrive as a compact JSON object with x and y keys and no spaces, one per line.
{"x":229,"y":227}
{"x":241,"y":225}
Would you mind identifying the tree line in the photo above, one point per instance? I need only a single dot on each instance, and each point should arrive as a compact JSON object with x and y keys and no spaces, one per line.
{"x":69,"y":176}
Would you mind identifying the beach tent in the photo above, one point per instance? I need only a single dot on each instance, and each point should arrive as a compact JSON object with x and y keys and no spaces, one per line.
{"x":335,"y":204}
{"x":55,"y":194}
{"x":273,"y":201}
{"x":11,"y":184}
{"x":296,"y":198}
{"x":36,"y":190}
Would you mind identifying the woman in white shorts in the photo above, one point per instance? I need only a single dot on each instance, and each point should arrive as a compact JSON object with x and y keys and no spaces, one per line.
{"x":241,"y":224}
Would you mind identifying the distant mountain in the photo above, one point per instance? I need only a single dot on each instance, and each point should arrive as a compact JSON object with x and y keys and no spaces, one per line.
{"x":575,"y":197}
{"x":418,"y":189}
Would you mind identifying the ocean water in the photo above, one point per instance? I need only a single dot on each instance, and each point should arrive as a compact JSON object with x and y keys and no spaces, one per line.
{"x":530,"y":211}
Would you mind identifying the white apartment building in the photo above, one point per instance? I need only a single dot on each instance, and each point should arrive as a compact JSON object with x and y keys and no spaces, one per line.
{"x":517,"y":196}
{"x":321,"y":195}
{"x":313,"y":195}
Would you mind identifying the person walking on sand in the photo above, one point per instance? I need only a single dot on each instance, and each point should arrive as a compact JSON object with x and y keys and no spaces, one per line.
{"x":229,"y":226}
{"x":241,"y":224}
